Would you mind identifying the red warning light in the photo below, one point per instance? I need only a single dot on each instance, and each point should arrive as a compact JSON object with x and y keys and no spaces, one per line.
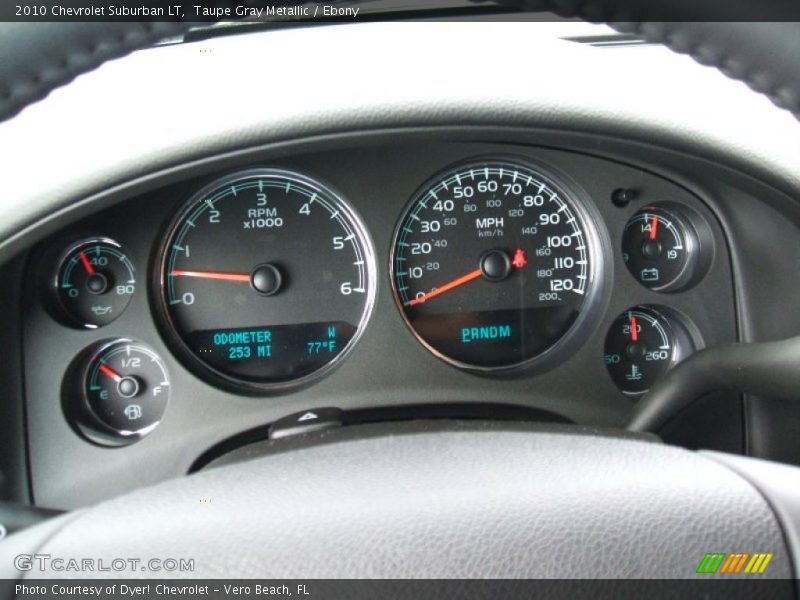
{"x":519,"y":259}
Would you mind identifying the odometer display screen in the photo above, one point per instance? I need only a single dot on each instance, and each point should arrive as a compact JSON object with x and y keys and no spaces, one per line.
{"x":493,"y":264}
{"x":266,"y":278}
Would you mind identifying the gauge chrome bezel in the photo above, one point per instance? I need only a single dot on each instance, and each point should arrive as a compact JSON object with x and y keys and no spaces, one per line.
{"x":600,"y":271}
{"x":166,"y":323}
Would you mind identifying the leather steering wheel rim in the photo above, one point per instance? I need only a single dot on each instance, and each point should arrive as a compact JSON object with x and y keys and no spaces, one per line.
{"x":40,"y":57}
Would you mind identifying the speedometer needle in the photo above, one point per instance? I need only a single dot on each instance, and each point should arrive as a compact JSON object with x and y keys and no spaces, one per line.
{"x":495,"y":266}
{"x":447,"y":287}
{"x":211,"y":275}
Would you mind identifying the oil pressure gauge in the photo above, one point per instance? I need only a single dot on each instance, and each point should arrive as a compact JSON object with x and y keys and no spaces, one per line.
{"x":643,"y":343}
{"x":666,"y":247}
{"x":94,"y":283}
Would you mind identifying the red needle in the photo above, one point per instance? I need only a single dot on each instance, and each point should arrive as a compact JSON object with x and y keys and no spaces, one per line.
{"x":111,"y":373}
{"x":634,"y":332}
{"x":654,"y":228}
{"x":212,"y":275}
{"x":446,"y":288}
{"x":86,"y":264}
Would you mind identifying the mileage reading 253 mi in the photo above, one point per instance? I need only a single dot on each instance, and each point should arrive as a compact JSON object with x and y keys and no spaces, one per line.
{"x":258,"y":343}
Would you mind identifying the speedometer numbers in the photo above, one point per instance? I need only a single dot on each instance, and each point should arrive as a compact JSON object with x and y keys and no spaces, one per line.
{"x":266,"y":280}
{"x":494,"y":265}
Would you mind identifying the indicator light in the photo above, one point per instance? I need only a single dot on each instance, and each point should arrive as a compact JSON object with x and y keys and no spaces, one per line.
{"x":519,"y":259}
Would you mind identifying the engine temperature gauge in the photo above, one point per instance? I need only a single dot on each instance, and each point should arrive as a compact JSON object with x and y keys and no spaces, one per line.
{"x":665,"y":247}
{"x":118,"y":393}
{"x":643,"y":343}
{"x":95,"y":282}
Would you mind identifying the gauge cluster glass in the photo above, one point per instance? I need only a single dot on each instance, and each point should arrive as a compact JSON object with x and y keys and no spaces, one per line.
{"x":266,"y":279}
{"x":494,"y":263}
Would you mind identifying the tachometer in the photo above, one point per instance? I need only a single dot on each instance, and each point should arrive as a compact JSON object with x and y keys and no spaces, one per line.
{"x":266,"y":279}
{"x":495,"y":264}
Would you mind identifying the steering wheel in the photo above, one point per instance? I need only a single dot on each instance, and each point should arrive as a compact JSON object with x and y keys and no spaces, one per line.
{"x":429,"y":499}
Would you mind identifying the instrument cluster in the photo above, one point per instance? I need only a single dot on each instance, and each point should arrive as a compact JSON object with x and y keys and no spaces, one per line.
{"x":262,"y":280}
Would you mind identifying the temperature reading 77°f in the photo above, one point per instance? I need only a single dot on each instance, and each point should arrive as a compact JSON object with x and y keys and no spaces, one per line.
{"x":492,"y":264}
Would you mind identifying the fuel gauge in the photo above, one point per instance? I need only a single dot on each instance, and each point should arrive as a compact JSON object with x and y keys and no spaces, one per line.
{"x":95,"y":282}
{"x":117,"y":392}
{"x":643,"y":343}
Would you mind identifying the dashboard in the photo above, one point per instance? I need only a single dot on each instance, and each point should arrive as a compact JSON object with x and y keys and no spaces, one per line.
{"x":490,"y":250}
{"x":422,"y":276}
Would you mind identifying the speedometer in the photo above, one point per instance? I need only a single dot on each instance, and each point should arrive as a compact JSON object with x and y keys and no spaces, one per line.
{"x":497,"y":264}
{"x":266,"y":279}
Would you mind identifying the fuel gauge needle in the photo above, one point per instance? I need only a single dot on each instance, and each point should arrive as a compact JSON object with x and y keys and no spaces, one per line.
{"x":111,"y":373}
{"x":242,"y":277}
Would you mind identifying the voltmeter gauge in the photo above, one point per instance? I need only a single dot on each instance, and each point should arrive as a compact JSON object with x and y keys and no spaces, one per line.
{"x":666,"y":248}
{"x":95,"y":282}
{"x":643,"y":343}
{"x":118,"y":391}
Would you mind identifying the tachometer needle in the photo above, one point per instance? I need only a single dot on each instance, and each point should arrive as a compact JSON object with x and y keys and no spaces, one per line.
{"x":634,"y":329}
{"x":86,"y":264}
{"x":446,"y":288}
{"x":654,"y":228}
{"x":111,"y":373}
{"x":212,"y":275}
